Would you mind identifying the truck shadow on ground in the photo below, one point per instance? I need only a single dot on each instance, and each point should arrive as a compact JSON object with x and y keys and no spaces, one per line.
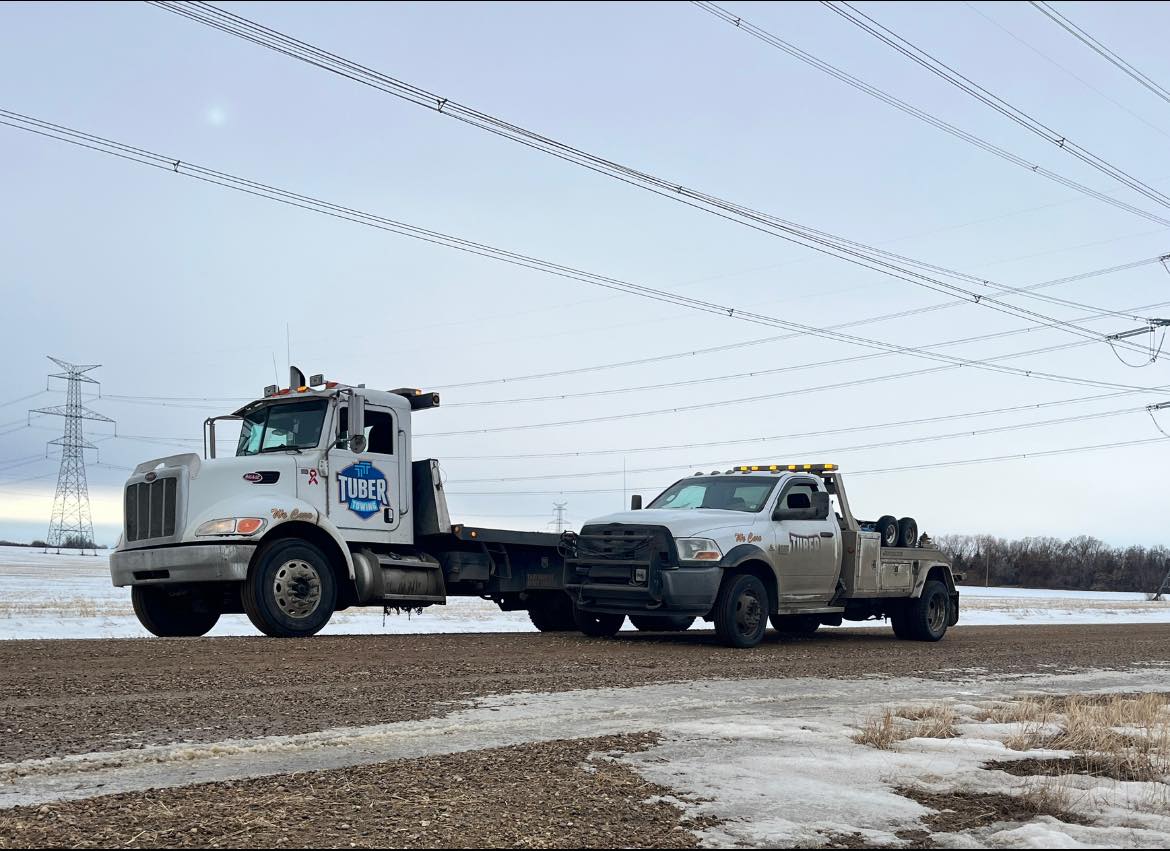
{"x":705,"y":637}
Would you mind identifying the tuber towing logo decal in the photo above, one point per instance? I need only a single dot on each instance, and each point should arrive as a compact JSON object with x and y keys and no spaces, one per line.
{"x":364,"y":488}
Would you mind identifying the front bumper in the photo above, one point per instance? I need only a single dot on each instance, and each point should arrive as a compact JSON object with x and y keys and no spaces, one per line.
{"x":675,"y":591}
{"x":184,"y":563}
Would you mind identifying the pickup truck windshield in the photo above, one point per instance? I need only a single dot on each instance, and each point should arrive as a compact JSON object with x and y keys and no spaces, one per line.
{"x":291,"y":425}
{"x":730,"y":493}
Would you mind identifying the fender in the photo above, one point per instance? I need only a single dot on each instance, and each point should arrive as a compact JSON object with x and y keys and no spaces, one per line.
{"x":740,"y":553}
{"x":277,"y":509}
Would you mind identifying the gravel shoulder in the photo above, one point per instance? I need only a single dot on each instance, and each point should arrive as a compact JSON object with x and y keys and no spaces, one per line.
{"x":60,"y":697}
{"x":561,"y":794}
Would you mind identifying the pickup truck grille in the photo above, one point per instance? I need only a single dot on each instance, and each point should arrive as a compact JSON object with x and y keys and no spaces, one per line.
{"x":151,"y":508}
{"x":617,"y":553}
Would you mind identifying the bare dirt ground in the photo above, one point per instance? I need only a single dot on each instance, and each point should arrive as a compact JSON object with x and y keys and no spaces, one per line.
{"x":61,"y":697}
{"x":551,"y":795}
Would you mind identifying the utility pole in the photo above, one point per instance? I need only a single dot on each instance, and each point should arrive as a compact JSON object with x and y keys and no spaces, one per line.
{"x":559,"y":519}
{"x":71,"y":524}
{"x":1165,"y":587}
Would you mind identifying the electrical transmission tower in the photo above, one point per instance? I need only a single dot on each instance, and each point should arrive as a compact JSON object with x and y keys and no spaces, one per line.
{"x":559,"y":519}
{"x":71,"y":525}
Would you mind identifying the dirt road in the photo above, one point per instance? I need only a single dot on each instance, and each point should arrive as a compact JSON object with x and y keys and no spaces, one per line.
{"x":60,"y":697}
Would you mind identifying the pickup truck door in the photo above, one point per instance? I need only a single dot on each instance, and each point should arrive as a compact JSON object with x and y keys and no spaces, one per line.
{"x":807,"y":551}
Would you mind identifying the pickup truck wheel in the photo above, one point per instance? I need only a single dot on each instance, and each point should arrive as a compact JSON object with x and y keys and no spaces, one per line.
{"x":168,"y":613}
{"x":553,"y":613}
{"x":290,"y":591}
{"x":741,"y":611}
{"x":926,"y":618}
{"x":907,"y":532}
{"x":661,"y":623}
{"x":795,"y":624}
{"x":887,"y":527}
{"x":598,"y":624}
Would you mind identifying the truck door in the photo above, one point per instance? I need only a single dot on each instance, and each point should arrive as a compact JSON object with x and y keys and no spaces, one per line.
{"x":807,"y":549}
{"x":364,"y":499}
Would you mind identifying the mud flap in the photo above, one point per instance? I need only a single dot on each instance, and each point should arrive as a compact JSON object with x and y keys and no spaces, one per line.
{"x":953,"y":613}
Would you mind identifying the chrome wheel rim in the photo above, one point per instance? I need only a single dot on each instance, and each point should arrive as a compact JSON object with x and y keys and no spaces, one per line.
{"x":748,"y":613}
{"x":936,"y":615}
{"x":296,"y":588}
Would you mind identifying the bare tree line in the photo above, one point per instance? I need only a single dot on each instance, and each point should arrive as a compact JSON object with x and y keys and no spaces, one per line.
{"x":1081,"y":563}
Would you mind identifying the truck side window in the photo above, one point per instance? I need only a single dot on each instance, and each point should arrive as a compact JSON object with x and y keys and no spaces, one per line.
{"x":799,"y":495}
{"x":379,"y":430}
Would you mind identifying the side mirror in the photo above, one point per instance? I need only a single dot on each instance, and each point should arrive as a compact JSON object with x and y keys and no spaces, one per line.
{"x":820,"y":504}
{"x":357,"y":422}
{"x":636,"y":502}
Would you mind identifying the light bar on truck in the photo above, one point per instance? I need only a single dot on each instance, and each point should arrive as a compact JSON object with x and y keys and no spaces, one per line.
{"x":788,"y":468}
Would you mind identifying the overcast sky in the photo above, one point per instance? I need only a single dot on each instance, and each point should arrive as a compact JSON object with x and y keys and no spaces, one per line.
{"x":183,"y":290}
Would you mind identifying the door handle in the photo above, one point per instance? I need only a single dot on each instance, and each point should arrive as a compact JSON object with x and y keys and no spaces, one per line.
{"x":826,"y":534}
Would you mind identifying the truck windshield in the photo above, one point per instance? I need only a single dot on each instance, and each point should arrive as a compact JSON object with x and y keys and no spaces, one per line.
{"x":729,"y":493}
{"x":291,"y":425}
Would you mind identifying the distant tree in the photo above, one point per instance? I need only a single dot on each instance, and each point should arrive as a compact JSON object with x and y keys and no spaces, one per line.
{"x":1083,"y":563}
{"x":39,"y":543}
{"x":77,"y":542}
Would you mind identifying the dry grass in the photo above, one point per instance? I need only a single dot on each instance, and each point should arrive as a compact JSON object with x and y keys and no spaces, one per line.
{"x":1124,"y":736}
{"x":935,"y":721}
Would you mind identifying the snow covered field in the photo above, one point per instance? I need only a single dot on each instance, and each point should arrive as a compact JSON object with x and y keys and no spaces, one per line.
{"x":45,"y":595}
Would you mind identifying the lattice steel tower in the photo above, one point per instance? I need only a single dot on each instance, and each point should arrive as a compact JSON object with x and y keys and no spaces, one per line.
{"x":71,"y":524}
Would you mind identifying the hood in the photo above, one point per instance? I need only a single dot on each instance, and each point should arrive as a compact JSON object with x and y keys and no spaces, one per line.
{"x":682,"y":523}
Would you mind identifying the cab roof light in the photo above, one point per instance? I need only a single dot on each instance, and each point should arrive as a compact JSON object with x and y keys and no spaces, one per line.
{"x":270,"y":390}
{"x":317,"y":380}
{"x":419,"y":399}
{"x":788,"y":468}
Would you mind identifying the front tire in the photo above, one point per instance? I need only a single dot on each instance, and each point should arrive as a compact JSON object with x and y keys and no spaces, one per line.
{"x":795,"y":625}
{"x":661,"y":623}
{"x":290,"y":591}
{"x":926,"y":618}
{"x":552,"y":613}
{"x":170,"y":613}
{"x":598,"y":624}
{"x":741,"y":611}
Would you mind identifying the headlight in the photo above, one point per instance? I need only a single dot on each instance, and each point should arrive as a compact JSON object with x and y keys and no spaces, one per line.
{"x":231,"y":526}
{"x":698,"y":549}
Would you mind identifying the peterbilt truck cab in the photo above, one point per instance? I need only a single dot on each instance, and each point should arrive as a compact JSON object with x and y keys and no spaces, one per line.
{"x":320,"y":508}
{"x":755,"y":544}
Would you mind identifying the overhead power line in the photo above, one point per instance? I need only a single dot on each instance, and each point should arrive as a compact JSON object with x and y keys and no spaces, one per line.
{"x":250,"y":187}
{"x":1101,"y":50}
{"x":756,"y":373}
{"x":824,"y":451}
{"x":915,"y":112}
{"x":758,"y":397}
{"x":875,"y":259}
{"x":991,"y":459}
{"x":945,"y":72}
{"x":725,"y":347}
{"x":761,"y":439}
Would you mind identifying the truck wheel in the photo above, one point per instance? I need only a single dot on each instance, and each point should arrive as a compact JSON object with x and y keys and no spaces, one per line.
{"x":926,"y":618}
{"x":741,"y":611}
{"x":661,"y":623}
{"x":290,"y":591}
{"x":795,"y":624}
{"x":887,"y":527}
{"x":907,"y":532}
{"x":552,"y":613}
{"x":598,"y":624}
{"x":168,"y":613}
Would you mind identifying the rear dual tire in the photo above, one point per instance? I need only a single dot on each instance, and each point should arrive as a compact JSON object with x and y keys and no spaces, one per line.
{"x":925,"y":618}
{"x":552,"y":612}
{"x":598,"y":624}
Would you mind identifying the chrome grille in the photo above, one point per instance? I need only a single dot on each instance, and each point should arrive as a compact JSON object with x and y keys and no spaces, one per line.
{"x":151,"y":508}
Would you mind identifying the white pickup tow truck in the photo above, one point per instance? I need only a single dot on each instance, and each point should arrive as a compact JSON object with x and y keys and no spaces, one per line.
{"x":758,"y":543}
{"x":322,"y":507}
